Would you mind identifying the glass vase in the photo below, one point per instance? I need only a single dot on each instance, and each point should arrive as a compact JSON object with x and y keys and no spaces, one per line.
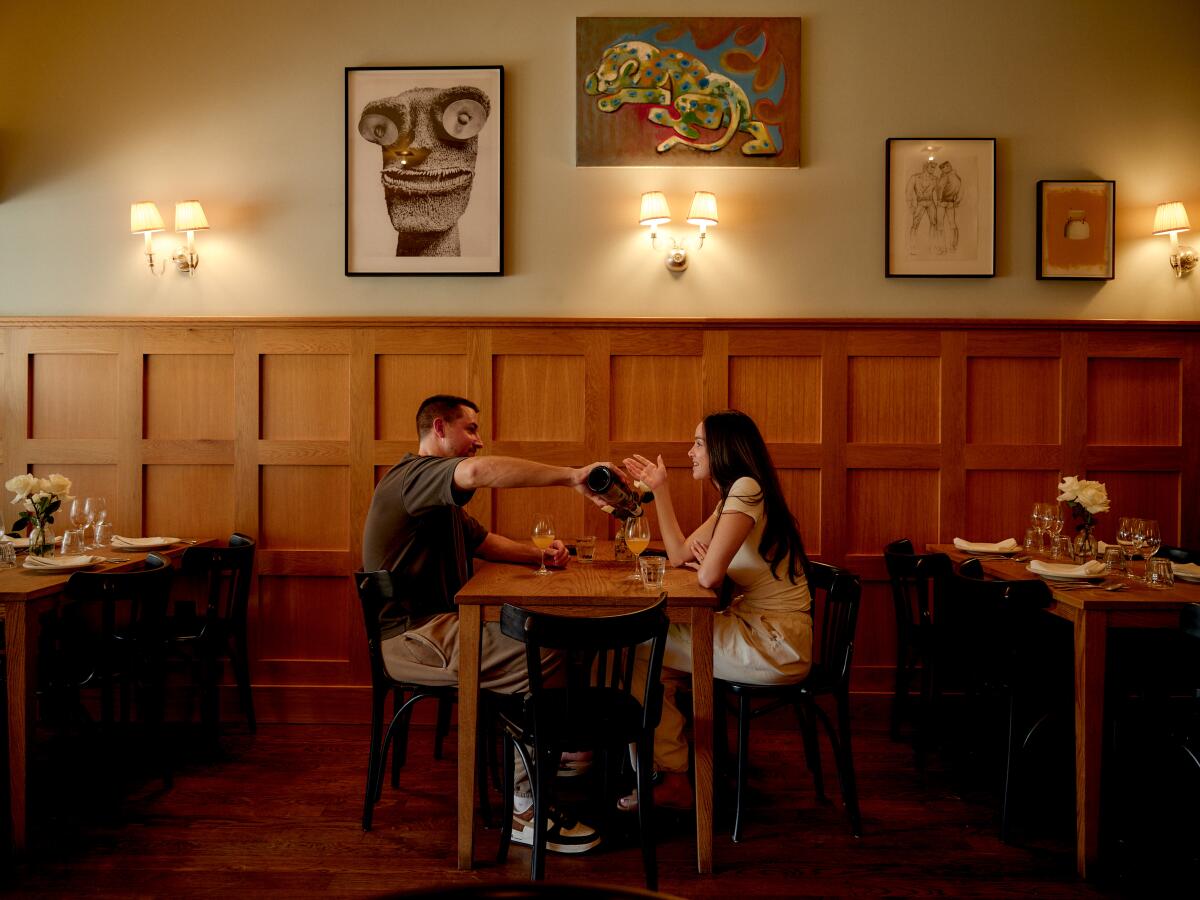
{"x":1086,"y":548}
{"x":41,"y":541}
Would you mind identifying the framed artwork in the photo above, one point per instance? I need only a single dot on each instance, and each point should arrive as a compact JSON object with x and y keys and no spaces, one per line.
{"x":940,"y":208}
{"x":687,"y":92}
{"x":1075,"y":230}
{"x":424,"y":170}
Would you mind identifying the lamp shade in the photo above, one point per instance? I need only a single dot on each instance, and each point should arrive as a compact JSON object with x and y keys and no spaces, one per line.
{"x":189,"y":216}
{"x":143,"y":217}
{"x":654,"y":209}
{"x":1171,"y":217}
{"x":704,"y":209}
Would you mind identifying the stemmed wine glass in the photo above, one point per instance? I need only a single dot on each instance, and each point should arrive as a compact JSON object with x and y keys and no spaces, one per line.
{"x":1042,"y":515}
{"x":1055,"y":522}
{"x":542,"y":534}
{"x":80,"y":517}
{"x":637,"y":537}
{"x":99,"y":512}
{"x":1151,"y":540}
{"x":1127,"y":530}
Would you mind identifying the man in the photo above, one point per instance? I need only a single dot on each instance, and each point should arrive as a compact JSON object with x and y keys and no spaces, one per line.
{"x":416,"y":528}
{"x":921,"y":193}
{"x":949,"y":192}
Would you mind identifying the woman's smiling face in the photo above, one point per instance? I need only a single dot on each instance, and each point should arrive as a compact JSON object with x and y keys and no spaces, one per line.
{"x":699,"y":455}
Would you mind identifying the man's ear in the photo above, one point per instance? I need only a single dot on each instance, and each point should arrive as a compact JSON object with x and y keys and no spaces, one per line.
{"x":439,"y":427}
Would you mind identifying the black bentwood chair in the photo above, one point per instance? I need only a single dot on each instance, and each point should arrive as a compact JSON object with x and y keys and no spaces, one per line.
{"x":375,"y":590}
{"x":599,"y":707}
{"x":912,"y":577}
{"x":829,"y":675}
{"x":220,"y":633}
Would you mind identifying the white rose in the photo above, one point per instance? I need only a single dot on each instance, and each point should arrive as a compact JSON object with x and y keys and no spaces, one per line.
{"x":1093,"y":497}
{"x":1068,"y":489}
{"x":21,"y":485}
{"x":59,"y":484}
{"x":40,"y":497}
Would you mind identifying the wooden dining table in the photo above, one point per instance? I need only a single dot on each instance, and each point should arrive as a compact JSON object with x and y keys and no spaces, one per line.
{"x":601,"y":587}
{"x":24,"y":595}
{"x":1092,"y":612}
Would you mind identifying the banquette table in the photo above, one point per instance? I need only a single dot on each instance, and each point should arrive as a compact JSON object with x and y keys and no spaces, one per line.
{"x":24,"y":594}
{"x":583,"y":589}
{"x":1092,"y":612}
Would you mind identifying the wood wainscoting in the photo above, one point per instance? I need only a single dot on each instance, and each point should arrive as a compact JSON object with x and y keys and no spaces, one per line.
{"x":882,"y":429}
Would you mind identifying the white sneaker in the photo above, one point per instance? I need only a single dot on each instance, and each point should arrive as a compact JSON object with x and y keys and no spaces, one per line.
{"x":563,"y":834}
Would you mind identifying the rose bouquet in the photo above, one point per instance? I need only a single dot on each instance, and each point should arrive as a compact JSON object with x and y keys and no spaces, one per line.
{"x":39,"y":499}
{"x":1086,"y":499}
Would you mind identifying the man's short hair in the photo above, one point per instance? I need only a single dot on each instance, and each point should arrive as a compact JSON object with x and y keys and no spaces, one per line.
{"x":440,"y":406}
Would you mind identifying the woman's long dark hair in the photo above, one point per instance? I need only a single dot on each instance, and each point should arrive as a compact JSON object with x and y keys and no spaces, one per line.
{"x":736,"y":449}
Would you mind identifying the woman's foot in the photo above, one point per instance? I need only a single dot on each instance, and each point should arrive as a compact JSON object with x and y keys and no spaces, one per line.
{"x":673,"y":792}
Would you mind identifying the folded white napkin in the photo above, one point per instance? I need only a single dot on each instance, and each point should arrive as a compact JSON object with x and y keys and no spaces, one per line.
{"x":134,"y":543}
{"x":59,"y":562}
{"x":23,"y":543}
{"x":1191,"y":570}
{"x":1089,"y":569}
{"x":1006,"y":546}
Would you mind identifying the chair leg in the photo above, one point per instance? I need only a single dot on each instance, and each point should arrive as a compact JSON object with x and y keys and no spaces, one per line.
{"x":923,"y":737}
{"x":1009,"y":761}
{"x":541,"y":808}
{"x":645,"y":768}
{"x":743,"y":754}
{"x":842,"y":753}
{"x":374,"y":758}
{"x":445,"y":705}
{"x":812,"y":750}
{"x":506,"y":812}
{"x":899,"y":686}
{"x":240,"y":657}
{"x":400,"y":748}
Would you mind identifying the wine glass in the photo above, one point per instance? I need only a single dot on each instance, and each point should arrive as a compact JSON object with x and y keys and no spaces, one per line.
{"x":1127,"y":529}
{"x":99,"y":512}
{"x":637,"y":537}
{"x":77,"y":513}
{"x":1042,"y":514}
{"x":1151,"y":540}
{"x":542,"y":534}
{"x":1056,"y":521}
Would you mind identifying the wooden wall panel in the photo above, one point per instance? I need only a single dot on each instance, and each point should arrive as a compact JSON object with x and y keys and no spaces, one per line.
{"x":86,"y":481}
{"x":1012,"y":400}
{"x":894,"y":400}
{"x":927,"y":430}
{"x":1134,"y":401}
{"x":73,"y":395}
{"x":403,"y":380}
{"x":189,"y":396}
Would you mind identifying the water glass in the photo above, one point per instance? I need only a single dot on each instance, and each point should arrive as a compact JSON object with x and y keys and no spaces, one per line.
{"x":1114,"y":561}
{"x":8,"y":554}
{"x":73,"y":542}
{"x":585,"y":548}
{"x":654,"y":570}
{"x":1060,"y":547}
{"x":104,"y":534}
{"x":1032,"y":540}
{"x":1159,"y":573}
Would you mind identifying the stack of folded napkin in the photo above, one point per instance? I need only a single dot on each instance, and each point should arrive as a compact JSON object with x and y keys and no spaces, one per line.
{"x":126,"y":543}
{"x":59,"y":562}
{"x":1090,"y":569}
{"x":1189,"y":571}
{"x":1005,"y":546}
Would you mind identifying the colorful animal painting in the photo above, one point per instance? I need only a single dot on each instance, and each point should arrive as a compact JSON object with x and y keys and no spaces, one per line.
{"x":726,"y":90}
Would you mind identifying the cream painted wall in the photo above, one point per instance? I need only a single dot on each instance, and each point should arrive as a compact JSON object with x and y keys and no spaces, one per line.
{"x":239,"y":103}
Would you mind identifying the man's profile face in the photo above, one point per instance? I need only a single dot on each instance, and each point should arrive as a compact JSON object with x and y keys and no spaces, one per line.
{"x":460,"y":437}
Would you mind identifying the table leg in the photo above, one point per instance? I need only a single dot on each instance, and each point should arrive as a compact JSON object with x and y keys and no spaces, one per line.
{"x":20,"y":639}
{"x":1091,"y":637}
{"x":469,"y":640}
{"x":702,"y":729}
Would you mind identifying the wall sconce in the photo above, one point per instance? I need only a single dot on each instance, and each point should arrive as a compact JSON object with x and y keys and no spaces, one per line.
{"x":145,"y":219}
{"x":1170,"y":219}
{"x":655,"y":212}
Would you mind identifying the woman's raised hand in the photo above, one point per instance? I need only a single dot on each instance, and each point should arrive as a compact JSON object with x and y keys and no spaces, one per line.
{"x":652,"y":474}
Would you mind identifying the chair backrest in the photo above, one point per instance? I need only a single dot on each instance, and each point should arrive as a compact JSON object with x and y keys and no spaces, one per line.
{"x":1189,"y":620}
{"x":911,"y":575}
{"x":1180,"y":555}
{"x":375,"y":592}
{"x":229,"y":572}
{"x":597,"y":654}
{"x":989,"y":622}
{"x":836,"y":594}
{"x":129,"y":600}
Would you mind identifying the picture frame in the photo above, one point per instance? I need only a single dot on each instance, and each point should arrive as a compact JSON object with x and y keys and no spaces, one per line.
{"x":1076,"y":229}
{"x":940,"y":208}
{"x":424,"y":170}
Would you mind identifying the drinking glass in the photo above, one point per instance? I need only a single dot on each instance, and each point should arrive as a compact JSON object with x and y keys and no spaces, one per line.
{"x":1035,"y":525}
{"x":543,"y":536}
{"x":1127,"y":529}
{"x":8,"y":552}
{"x":653,"y":569}
{"x":73,"y":542}
{"x":99,"y":510}
{"x":1056,"y":521}
{"x":585,"y":548}
{"x":1150,"y":542}
{"x":82,"y":513}
{"x":1159,"y":573}
{"x":1114,"y":561}
{"x":104,"y":534}
{"x":1045,"y":514}
{"x":637,"y":537}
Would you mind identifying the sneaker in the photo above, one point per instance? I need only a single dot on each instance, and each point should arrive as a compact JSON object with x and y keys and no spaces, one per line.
{"x":563,"y":834}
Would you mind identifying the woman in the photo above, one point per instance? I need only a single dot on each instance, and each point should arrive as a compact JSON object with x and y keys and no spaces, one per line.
{"x":751,"y":538}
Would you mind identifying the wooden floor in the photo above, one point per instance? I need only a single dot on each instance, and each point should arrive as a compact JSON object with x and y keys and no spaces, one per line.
{"x":278,"y":814}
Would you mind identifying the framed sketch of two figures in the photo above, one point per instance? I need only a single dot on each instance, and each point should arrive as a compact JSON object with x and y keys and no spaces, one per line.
{"x":941,"y":208}
{"x":424,"y":170}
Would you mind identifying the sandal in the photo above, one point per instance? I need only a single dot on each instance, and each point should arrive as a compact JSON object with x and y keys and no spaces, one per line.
{"x":664,"y":797}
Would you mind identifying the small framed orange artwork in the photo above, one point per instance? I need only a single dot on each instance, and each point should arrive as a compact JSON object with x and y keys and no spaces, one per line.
{"x":1075,"y":230}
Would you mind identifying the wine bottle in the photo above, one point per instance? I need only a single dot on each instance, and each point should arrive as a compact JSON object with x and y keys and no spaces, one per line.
{"x":620,"y":501}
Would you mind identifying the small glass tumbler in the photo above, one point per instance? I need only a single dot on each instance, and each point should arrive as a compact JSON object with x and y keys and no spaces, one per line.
{"x":585,"y":548}
{"x":1159,"y":573}
{"x":1114,"y":561}
{"x":8,"y":554}
{"x":654,"y":570}
{"x":104,"y":534}
{"x":1060,"y":547}
{"x":73,"y":542}
{"x":1033,"y":540}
